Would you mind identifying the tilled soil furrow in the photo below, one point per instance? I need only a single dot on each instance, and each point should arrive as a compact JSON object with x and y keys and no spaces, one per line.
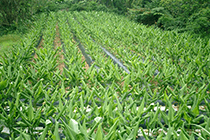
{"x":57,"y":43}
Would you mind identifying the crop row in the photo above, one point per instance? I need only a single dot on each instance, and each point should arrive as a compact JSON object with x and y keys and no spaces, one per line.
{"x":32,"y":84}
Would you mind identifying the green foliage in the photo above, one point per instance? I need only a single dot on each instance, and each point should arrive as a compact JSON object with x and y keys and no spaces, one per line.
{"x":168,"y":22}
{"x":12,"y":11}
{"x":186,"y":15}
{"x":145,"y":15}
{"x":199,"y":22}
{"x":183,"y":8}
{"x":56,"y":6}
{"x":87,"y":6}
{"x":181,"y":15}
{"x":18,"y":15}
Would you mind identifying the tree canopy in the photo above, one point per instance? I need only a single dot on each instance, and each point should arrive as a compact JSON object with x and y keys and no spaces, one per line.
{"x":183,"y":15}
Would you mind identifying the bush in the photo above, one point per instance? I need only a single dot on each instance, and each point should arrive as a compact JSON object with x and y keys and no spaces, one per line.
{"x":145,"y":15}
{"x":17,"y":15}
{"x":181,"y":15}
{"x":12,"y":11}
{"x":200,"y":22}
{"x":186,"y":15}
{"x":168,"y":22}
{"x":58,"y":5}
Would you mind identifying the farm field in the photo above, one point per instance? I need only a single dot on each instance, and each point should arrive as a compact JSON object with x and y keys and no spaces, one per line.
{"x":97,"y":75}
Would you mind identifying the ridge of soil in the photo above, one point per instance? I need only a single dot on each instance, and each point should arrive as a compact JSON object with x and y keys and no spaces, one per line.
{"x":57,"y":43}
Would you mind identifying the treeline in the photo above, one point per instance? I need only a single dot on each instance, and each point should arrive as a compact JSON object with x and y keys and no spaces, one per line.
{"x":181,"y":15}
{"x":14,"y":12}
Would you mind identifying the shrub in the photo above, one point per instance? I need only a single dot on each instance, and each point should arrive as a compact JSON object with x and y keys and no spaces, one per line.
{"x":12,"y":11}
{"x":200,"y":22}
{"x":145,"y":15}
{"x":168,"y":22}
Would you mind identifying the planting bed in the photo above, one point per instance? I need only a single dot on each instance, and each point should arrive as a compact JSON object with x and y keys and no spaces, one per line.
{"x":70,"y":89}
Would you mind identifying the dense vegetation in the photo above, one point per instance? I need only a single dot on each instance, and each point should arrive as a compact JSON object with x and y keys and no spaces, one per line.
{"x":181,"y":15}
{"x":19,"y":14}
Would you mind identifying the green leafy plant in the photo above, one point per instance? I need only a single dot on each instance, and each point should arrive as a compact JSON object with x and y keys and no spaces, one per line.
{"x":165,"y":95}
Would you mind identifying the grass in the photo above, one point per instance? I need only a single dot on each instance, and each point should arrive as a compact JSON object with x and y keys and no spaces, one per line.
{"x":7,"y":41}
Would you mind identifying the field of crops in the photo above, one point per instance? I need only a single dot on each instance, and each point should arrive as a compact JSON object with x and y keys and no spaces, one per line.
{"x":97,"y":75}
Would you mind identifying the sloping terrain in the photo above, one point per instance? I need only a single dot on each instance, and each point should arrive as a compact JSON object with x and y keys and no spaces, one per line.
{"x":100,"y":76}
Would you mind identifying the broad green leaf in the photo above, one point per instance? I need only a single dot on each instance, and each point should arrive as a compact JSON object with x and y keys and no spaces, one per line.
{"x":141,"y":108}
{"x":17,"y":99}
{"x":3,"y":84}
{"x":112,"y":130}
{"x":44,"y":133}
{"x":170,"y":112}
{"x":187,"y":117}
{"x":126,"y":83}
{"x":196,"y":110}
{"x":56,"y":134}
{"x":74,"y":126}
{"x":170,"y":133}
{"x":160,"y":136}
{"x":81,"y":102}
{"x":83,"y":130}
{"x":23,"y":136}
{"x":99,"y":133}
{"x":182,"y":136}
{"x":62,"y":89}
{"x":30,"y":111}
{"x":155,"y":117}
{"x":60,"y":103}
{"x":110,"y":108}
{"x":71,"y":134}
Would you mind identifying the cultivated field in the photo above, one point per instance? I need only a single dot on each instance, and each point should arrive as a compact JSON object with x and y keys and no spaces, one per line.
{"x":97,"y":75}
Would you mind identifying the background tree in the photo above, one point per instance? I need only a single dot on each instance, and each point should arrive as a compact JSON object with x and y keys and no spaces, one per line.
{"x":12,"y":11}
